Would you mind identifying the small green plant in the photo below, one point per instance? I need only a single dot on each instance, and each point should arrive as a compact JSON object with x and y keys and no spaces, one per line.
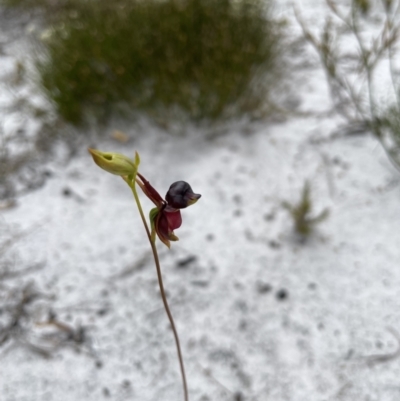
{"x":301,"y":213}
{"x":353,"y":78}
{"x":164,"y":218}
{"x":203,"y":58}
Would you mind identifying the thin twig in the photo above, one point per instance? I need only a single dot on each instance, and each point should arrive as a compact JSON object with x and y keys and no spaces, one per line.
{"x":135,"y":267}
{"x":368,"y":69}
{"x":207,"y":372}
{"x":8,"y":274}
{"x":389,"y":24}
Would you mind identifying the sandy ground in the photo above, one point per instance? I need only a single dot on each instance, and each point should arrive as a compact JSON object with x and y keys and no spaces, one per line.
{"x":261,"y":315}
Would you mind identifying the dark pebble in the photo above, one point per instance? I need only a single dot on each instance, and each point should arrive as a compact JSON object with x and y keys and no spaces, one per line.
{"x":102,"y":312}
{"x":238,"y":396}
{"x":274,"y":244}
{"x":312,"y":286}
{"x":66,"y":192}
{"x":282,"y":294}
{"x":264,"y":288}
{"x":186,"y":261}
{"x":237,"y":199}
{"x":242,"y":325}
{"x":210,"y":237}
{"x":269,"y":216}
{"x":126,"y":384}
{"x":200,"y":283}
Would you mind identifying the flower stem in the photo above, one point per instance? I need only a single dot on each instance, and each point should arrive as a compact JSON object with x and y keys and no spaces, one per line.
{"x":161,"y":285}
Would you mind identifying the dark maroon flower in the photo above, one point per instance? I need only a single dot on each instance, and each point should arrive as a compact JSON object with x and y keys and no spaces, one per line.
{"x":166,"y":216}
{"x":180,"y":195}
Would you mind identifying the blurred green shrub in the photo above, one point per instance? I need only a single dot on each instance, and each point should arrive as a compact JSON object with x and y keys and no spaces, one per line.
{"x":206,"y":58}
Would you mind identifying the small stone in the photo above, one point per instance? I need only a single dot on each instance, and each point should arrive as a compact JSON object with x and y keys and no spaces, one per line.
{"x":126,"y":383}
{"x":269,"y":216}
{"x":102,"y":312}
{"x":274,"y":244}
{"x":66,"y":192}
{"x":282,"y":294}
{"x":312,"y":286}
{"x":200,"y":283}
{"x":186,"y":261}
{"x":242,"y":325}
{"x":241,"y":305}
{"x":264,"y":288}
{"x":238,"y":396}
{"x":237,"y":199}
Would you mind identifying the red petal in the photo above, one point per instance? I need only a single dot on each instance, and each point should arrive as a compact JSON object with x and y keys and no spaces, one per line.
{"x":150,"y":192}
{"x":165,"y":223}
{"x":162,"y":228}
{"x":174,"y":219}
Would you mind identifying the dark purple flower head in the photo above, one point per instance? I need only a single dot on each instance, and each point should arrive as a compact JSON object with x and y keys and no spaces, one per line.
{"x":181,"y":195}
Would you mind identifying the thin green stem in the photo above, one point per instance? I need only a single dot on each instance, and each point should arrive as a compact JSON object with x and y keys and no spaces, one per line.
{"x":139,"y":206}
{"x":161,"y":285}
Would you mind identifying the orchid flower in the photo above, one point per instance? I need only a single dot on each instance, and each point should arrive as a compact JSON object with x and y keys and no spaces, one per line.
{"x":166,"y":216}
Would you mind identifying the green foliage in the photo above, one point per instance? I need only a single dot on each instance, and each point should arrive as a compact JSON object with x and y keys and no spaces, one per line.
{"x":353,"y":84}
{"x":304,"y":223}
{"x":203,"y":57}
